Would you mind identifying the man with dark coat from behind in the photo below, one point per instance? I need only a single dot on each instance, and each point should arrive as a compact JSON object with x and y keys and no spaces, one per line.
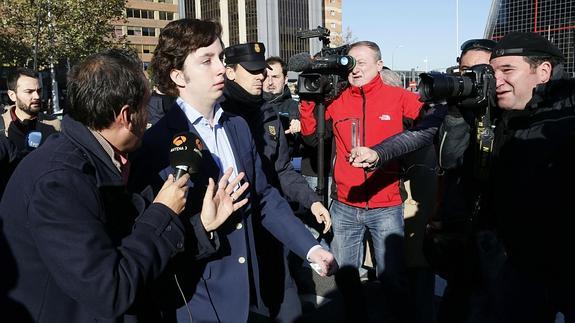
{"x":84,"y":249}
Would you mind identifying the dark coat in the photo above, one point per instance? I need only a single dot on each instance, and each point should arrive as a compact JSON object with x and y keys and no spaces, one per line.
{"x":287,"y":110}
{"x":532,"y":181}
{"x":18,"y":148}
{"x":223,"y":286}
{"x":272,"y":145}
{"x":283,"y":104}
{"x":158,"y":106}
{"x":8,"y":154}
{"x":80,"y":250}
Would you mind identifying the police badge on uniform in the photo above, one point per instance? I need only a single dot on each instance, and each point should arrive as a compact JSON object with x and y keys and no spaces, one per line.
{"x":273,"y":132}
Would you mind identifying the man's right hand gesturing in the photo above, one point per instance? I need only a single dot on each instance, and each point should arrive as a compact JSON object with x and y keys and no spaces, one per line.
{"x":220,"y":203}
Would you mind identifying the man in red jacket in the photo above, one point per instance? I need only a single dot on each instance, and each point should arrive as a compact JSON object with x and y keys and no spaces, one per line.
{"x":364,"y":114}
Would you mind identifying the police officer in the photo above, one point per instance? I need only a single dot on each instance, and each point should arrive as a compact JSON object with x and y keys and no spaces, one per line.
{"x":245,"y":73}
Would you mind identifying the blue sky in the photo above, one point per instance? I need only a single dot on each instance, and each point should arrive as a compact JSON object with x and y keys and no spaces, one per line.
{"x":412,"y":30}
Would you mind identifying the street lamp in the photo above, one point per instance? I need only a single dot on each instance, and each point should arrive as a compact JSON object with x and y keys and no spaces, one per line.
{"x":393,"y":55}
{"x":456,"y":28}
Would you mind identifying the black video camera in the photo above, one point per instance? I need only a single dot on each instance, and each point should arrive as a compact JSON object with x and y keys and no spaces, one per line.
{"x":475,"y":87}
{"x":324,"y":76}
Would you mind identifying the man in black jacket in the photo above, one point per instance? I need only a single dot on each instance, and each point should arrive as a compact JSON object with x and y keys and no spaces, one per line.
{"x":531,"y":180}
{"x":278,"y":95}
{"x":24,"y":124}
{"x":84,"y":249}
{"x":245,"y":72}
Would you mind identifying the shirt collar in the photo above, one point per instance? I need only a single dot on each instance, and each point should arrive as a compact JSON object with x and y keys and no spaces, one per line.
{"x":195,"y":117}
{"x":110,"y":151}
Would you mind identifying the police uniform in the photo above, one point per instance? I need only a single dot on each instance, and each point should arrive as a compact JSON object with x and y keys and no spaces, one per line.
{"x":279,"y":292}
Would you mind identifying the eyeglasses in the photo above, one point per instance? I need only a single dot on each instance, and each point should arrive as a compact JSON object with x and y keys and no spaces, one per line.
{"x":485,"y":44}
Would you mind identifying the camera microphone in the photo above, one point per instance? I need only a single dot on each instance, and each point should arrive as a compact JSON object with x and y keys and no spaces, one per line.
{"x":299,"y":62}
{"x":186,"y":154}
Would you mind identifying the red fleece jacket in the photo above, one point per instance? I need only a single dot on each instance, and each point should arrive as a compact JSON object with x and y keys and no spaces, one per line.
{"x":378,"y":110}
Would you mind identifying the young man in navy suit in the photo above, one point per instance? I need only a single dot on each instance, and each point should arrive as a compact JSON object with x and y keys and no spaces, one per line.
{"x":187,"y":63}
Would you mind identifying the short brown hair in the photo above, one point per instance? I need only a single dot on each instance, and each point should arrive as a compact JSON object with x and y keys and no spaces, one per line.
{"x":177,"y":40}
{"x":277,"y":60}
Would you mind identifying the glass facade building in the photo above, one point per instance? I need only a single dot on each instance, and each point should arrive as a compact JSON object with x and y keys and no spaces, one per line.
{"x":553,"y":19}
{"x":273,"y":22}
{"x":293,"y":16}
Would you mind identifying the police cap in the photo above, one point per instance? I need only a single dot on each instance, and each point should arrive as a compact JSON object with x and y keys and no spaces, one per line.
{"x":250,"y":56}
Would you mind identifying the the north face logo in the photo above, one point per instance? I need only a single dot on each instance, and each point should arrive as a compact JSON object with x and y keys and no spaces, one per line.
{"x":384,"y":117}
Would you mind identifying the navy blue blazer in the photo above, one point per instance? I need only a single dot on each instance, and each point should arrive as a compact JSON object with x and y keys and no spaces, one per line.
{"x":222,"y":286}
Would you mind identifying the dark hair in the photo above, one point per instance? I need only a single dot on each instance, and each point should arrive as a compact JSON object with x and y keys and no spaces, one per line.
{"x":177,"y":40}
{"x":371,"y":45}
{"x":277,"y":60}
{"x":483,"y":45}
{"x":102,"y":84}
{"x":486,"y":45}
{"x":535,"y":61}
{"x":15,"y":75}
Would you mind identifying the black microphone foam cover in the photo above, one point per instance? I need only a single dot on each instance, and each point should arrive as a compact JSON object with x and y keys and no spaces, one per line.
{"x":299,"y":62}
{"x":186,"y":153}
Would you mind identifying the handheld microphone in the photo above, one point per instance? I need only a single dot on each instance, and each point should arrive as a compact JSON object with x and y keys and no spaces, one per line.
{"x":33,"y":139}
{"x":186,"y":154}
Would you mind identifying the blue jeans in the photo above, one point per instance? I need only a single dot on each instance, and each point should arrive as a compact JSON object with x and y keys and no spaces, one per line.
{"x":387,"y":232}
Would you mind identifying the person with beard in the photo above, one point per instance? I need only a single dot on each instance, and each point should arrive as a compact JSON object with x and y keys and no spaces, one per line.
{"x":246,"y":70}
{"x":23,"y":123}
{"x":278,"y":95}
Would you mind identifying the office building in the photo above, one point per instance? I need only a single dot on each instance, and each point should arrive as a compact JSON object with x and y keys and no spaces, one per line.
{"x":333,"y":19}
{"x":272,"y":22}
{"x":144,"y":21}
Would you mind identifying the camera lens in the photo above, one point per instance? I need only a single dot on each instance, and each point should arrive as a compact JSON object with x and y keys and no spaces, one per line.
{"x":438,"y":86}
{"x":347,"y":62}
{"x":312,"y":84}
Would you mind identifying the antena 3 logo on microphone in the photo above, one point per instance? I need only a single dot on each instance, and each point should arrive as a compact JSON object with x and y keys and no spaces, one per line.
{"x":179,"y":140}
{"x":178,"y":143}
